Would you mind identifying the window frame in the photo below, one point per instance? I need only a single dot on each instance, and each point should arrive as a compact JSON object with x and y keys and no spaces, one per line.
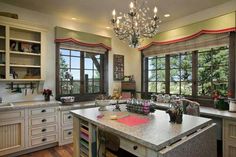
{"x":82,"y":96}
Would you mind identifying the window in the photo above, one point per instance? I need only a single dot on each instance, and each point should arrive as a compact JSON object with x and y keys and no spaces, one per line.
{"x":80,"y":73}
{"x":213,"y":71}
{"x":156,"y":74}
{"x":200,"y":72}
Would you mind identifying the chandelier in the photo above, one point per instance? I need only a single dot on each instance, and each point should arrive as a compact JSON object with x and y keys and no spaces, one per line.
{"x":136,"y":24}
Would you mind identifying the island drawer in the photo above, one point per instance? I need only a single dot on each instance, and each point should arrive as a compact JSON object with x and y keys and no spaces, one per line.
{"x":43,"y":120}
{"x":67,"y":118}
{"x":135,"y":148}
{"x":67,"y":134}
{"x":40,"y":111}
{"x":42,"y":140}
{"x":43,"y":130}
{"x":11,"y":114}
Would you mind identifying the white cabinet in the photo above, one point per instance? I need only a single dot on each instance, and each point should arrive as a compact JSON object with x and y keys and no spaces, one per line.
{"x":66,"y":128}
{"x":229,"y":141}
{"x":12,"y":133}
{"x":43,"y":126}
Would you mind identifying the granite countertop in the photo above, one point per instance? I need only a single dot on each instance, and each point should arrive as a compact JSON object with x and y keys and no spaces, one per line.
{"x":30,"y":104}
{"x":156,"y":134}
{"x":206,"y":111}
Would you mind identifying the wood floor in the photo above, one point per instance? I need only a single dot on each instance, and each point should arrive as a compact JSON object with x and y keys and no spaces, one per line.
{"x":59,"y":151}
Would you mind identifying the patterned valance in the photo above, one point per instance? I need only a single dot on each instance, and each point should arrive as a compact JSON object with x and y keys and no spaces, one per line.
{"x":83,"y":39}
{"x":220,"y":24}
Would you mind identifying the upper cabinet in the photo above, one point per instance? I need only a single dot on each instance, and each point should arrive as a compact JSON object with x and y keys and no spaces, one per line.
{"x":22,"y":48}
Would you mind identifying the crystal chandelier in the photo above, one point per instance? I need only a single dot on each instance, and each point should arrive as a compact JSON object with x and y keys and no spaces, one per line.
{"x":135,"y":25}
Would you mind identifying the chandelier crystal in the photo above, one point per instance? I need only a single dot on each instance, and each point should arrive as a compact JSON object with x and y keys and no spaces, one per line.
{"x":136,"y":24}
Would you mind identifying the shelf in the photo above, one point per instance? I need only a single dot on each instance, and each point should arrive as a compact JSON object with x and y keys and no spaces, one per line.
{"x":25,"y":66}
{"x":2,"y":65}
{"x":20,"y":80}
{"x":23,"y":40}
{"x":25,"y":53}
{"x":2,"y":37}
{"x":2,"y":51}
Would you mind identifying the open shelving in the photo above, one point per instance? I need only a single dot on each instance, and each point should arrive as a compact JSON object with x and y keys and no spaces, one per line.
{"x":21,"y":49}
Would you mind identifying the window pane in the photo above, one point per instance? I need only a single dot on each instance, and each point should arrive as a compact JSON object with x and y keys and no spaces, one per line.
{"x":88,"y":63}
{"x":174,"y":61}
{"x":220,"y":73}
{"x":152,"y":86}
{"x":186,"y":61}
{"x":152,"y":64}
{"x":204,"y":89}
{"x":89,"y":73}
{"x":174,"y":87}
{"x":75,"y":62}
{"x":75,"y":53}
{"x":186,"y":74}
{"x":64,"y":62}
{"x":174,"y":75}
{"x":76,"y":87}
{"x":221,"y":87}
{"x":96,"y":74}
{"x":96,"y":87}
{"x":160,"y":75}
{"x":161,"y":63}
{"x":152,"y":75}
{"x":186,"y":88}
{"x":204,"y":74}
{"x":65,"y":87}
{"x":161,"y":87}
{"x":64,"y":52}
{"x":204,"y":59}
{"x":75,"y":74}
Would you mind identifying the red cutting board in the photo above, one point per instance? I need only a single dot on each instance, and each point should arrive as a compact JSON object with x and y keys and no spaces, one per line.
{"x":132,"y":120}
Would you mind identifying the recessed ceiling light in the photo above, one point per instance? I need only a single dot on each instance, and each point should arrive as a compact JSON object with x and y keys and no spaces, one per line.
{"x":160,"y":21}
{"x":167,"y":15}
{"x":73,"y":18}
{"x":108,"y":27}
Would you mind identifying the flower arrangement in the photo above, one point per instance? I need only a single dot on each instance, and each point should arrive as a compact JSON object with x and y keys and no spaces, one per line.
{"x":47,"y":93}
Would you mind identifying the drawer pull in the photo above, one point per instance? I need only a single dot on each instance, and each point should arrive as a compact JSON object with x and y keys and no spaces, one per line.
{"x":135,"y":147}
{"x":69,"y":117}
{"x":43,"y":130}
{"x":44,"y":120}
{"x":44,"y":139}
{"x":69,"y":133}
{"x":43,"y":111}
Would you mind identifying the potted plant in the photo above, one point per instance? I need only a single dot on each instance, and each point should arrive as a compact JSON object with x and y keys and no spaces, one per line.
{"x":47,"y":93}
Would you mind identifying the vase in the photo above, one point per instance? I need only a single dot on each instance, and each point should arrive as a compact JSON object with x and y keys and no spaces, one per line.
{"x":47,"y":97}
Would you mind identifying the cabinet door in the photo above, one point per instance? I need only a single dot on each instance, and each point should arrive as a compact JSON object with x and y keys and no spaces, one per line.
{"x":229,"y":138}
{"x":11,"y":136}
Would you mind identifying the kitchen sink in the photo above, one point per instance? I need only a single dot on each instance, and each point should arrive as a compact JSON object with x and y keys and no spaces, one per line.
{"x":6,"y":105}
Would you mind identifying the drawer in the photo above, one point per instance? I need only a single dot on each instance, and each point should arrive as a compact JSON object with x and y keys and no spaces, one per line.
{"x":135,"y":148}
{"x":67,"y":134}
{"x":67,"y":118}
{"x":230,"y":130}
{"x":42,"y":111}
{"x":43,"y":140}
{"x":43,"y":130}
{"x":45,"y":120}
{"x":11,"y":114}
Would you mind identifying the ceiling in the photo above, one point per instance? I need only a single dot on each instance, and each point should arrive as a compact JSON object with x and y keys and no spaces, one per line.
{"x":98,"y":12}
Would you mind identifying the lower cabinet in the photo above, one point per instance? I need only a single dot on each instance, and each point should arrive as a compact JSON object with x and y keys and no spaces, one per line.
{"x":12,"y":133}
{"x":229,"y":138}
{"x":66,"y":128}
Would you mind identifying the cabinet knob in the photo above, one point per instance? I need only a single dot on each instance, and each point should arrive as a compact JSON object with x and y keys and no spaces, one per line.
{"x":135,"y":147}
{"x":43,"y":111}
{"x":69,"y":117}
{"x":43,"y":130}
{"x":44,"y":120}
{"x":69,"y":133}
{"x":44,"y":139}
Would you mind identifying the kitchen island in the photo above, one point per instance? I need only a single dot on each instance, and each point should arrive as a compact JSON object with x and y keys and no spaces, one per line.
{"x":195,"y":137}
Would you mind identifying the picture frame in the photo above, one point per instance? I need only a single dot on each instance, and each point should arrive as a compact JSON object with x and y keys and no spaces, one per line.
{"x":118,"y":67}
